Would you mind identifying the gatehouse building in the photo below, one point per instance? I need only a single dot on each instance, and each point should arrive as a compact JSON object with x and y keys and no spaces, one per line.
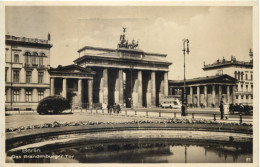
{"x":240,"y":70}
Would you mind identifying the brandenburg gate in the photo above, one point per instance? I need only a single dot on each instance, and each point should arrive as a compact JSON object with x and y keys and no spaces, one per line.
{"x":127,"y":75}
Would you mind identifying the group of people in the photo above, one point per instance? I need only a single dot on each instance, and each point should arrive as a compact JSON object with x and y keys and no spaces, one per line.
{"x":114,"y":108}
{"x":224,"y":110}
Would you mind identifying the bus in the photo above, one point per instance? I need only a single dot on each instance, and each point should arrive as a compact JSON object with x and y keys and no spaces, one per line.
{"x":171,"y":101}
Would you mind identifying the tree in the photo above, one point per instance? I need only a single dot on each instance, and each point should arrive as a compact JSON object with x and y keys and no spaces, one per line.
{"x":55,"y":104}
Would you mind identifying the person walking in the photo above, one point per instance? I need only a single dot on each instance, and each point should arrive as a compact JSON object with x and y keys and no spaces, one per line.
{"x":221,"y":108}
{"x":226,"y":110}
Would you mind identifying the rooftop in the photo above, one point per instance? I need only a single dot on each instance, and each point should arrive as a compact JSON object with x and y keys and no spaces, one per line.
{"x":120,"y":54}
{"x":35,"y":41}
{"x":225,"y":63}
{"x":208,"y":79}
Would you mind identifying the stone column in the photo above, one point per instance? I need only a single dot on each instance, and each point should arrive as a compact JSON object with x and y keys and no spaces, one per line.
{"x":191,"y":95}
{"x":148,"y":93}
{"x":105,"y":86}
{"x":80,"y":92}
{"x":219,"y":93}
{"x":206,"y":95}
{"x":213,"y":94}
{"x":90,"y":93}
{"x":228,"y":93}
{"x":64,"y":87}
{"x":233,"y":94}
{"x":153,"y":89}
{"x":52,"y":87}
{"x":198,"y":96}
{"x":166,"y":89}
{"x":140,"y":89}
{"x":101,"y":87}
{"x":22,"y":95}
{"x":121,"y":86}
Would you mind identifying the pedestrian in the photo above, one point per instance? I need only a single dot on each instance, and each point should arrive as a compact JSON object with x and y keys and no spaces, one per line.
{"x":183,"y":110}
{"x":226,"y":110}
{"x":221,"y":108}
{"x":118,"y":108}
{"x":114,"y":108}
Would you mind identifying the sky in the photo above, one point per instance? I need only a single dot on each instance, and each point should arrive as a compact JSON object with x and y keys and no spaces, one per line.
{"x":213,"y":32}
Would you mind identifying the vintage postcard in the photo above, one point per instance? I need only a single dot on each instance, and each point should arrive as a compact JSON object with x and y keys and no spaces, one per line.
{"x":129,"y":83}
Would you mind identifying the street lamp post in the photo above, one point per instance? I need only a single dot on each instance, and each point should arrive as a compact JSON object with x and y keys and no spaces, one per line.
{"x":184,"y":100}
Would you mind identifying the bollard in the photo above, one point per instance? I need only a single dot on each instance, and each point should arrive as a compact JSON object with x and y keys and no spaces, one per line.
{"x":174,"y":114}
{"x":103,"y":111}
{"x":193,"y":115}
{"x":159,"y":114}
{"x":135,"y":112}
{"x":96,"y":111}
{"x":240,"y":120}
{"x":147,"y":114}
{"x":125,"y":112}
{"x":214,"y":117}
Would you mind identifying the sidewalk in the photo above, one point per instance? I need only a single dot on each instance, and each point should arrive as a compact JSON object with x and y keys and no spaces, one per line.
{"x":25,"y":118}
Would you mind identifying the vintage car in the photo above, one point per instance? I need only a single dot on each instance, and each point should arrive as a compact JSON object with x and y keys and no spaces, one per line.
{"x":241,"y":108}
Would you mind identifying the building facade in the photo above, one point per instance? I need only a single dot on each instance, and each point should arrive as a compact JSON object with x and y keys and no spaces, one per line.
{"x":26,"y":72}
{"x":129,"y":77}
{"x":240,"y":70}
{"x":206,"y":91}
{"x":74,"y":83}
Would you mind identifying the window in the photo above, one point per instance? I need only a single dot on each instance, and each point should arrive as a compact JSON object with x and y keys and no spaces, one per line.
{"x":235,"y":75}
{"x":238,"y":76}
{"x":35,"y":54}
{"x":40,"y":77}
{"x":241,"y":87}
{"x":251,"y":87}
{"x":27,"y":56}
{"x":16,"y":95}
{"x":28,"y":76}
{"x":16,"y":58}
{"x":41,"y":59}
{"x":242,"y":76}
{"x":16,"y":75}
{"x":242,"y":96}
{"x":247,"y":88}
{"x":236,"y":97}
{"x":28,"y":96}
{"x":252,"y":77}
{"x":236,"y":87}
{"x":251,"y":96}
{"x":6,"y":74}
{"x":40,"y":95}
{"x":246,"y":77}
{"x":246,"y":96}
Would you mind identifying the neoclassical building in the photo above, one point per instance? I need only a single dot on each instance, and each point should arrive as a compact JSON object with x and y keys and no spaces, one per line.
{"x":127,"y":76}
{"x":26,"y":71}
{"x":207,"y":91}
{"x":240,"y":70}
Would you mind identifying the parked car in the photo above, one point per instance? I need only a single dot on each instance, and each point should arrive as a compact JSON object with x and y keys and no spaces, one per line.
{"x":175,"y":103}
{"x":241,"y":108}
